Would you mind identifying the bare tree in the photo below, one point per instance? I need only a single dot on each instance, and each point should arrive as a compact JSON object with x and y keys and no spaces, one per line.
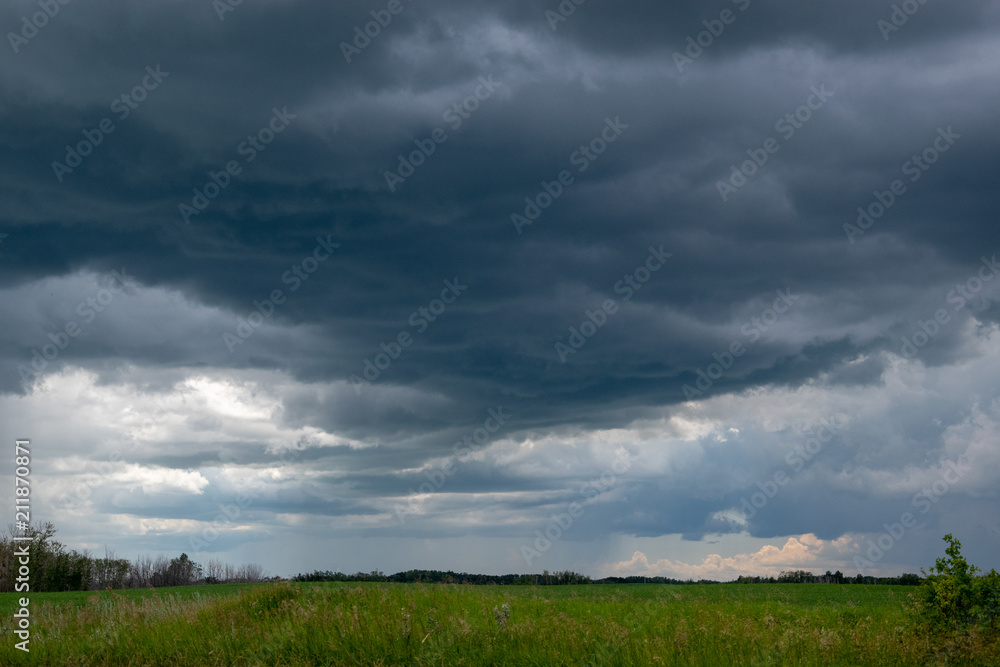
{"x":141,"y":573}
{"x":215,"y":572}
{"x":252,"y":573}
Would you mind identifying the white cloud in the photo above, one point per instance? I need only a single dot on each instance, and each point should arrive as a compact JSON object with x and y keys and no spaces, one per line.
{"x":804,"y":552}
{"x":152,"y":480}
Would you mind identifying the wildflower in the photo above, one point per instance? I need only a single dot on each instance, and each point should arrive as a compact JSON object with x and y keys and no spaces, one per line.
{"x":501,"y":615}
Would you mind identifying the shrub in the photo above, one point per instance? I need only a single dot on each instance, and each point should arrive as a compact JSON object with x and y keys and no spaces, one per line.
{"x":988,"y":607}
{"x":954,"y":597}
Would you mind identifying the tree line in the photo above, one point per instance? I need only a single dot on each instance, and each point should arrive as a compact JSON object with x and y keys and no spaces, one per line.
{"x":568,"y":577}
{"x":838,"y":577}
{"x":54,"y":568}
{"x":450,"y":577}
{"x":546,"y":578}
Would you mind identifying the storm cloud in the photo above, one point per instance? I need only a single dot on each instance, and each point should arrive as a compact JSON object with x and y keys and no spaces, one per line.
{"x":303,"y":254}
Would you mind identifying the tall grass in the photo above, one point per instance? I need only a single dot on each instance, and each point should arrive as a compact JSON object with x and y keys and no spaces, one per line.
{"x":413,"y":624}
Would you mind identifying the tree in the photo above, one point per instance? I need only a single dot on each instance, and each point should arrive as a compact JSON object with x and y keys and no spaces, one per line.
{"x":953,"y":596}
{"x":180,"y":571}
{"x":796,"y":577}
{"x":53,"y":568}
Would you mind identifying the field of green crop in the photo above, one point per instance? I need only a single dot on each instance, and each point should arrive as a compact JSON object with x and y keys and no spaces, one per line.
{"x":414,"y":624}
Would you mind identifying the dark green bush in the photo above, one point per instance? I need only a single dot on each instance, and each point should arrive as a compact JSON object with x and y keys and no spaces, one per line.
{"x":955,"y":596}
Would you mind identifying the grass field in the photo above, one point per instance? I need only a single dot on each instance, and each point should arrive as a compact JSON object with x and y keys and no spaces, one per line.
{"x":414,"y":624}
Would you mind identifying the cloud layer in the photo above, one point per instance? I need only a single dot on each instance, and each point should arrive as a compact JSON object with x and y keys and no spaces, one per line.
{"x":253,"y":261}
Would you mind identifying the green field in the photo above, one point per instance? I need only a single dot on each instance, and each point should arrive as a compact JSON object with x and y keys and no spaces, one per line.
{"x":417,"y":624}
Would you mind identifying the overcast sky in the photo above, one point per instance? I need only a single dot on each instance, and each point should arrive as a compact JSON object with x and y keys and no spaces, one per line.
{"x":682,"y":289}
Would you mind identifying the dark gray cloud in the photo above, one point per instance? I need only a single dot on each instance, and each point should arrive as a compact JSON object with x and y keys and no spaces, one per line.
{"x":208,"y":85}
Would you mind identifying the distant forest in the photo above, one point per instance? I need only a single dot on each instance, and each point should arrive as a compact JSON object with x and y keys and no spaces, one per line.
{"x":52,"y":568}
{"x":565,"y":578}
